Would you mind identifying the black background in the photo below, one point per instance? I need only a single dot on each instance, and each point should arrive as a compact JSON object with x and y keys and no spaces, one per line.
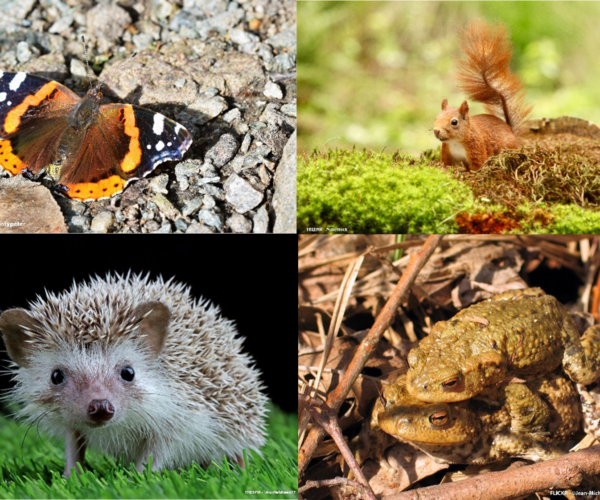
{"x":240,"y":273}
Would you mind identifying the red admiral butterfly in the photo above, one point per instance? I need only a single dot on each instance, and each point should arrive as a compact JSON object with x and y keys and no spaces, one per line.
{"x":99,"y":148}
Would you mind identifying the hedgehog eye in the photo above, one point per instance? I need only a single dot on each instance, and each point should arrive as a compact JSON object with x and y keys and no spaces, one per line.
{"x":57,"y":377}
{"x":127,"y":373}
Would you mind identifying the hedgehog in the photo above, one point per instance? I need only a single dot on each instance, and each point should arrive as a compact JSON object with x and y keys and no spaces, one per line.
{"x":129,"y":365}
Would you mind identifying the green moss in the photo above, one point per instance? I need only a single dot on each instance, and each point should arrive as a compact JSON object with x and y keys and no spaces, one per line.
{"x":364,"y":192}
{"x":570,"y":219}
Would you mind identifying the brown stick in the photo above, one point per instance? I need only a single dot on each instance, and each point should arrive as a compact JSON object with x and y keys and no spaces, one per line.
{"x":327,"y":419}
{"x":382,"y":322}
{"x":558,"y":474}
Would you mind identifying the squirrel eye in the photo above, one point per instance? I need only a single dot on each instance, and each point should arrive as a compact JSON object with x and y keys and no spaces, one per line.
{"x":454,"y":121}
{"x":57,"y":377}
{"x":127,"y":374}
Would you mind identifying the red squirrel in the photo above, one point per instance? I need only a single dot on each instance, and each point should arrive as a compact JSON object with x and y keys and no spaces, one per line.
{"x":484,"y":75}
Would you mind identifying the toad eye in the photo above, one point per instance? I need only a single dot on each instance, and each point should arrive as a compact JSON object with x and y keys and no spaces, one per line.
{"x":450,"y":383}
{"x":439,"y":418}
{"x":454,"y":122}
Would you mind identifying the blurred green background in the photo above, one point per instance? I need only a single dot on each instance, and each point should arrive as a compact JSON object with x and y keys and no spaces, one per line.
{"x":373,"y":74}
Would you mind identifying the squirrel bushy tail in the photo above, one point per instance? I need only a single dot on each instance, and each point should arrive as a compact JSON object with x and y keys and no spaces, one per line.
{"x":484,"y":74}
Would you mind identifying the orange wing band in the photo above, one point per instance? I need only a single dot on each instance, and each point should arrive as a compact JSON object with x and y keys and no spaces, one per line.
{"x":13,"y":117}
{"x":96,"y":190}
{"x":8,"y":160}
{"x":134,"y":155}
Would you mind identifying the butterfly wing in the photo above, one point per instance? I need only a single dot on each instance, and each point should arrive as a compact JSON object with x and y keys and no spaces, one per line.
{"x":127,"y":142}
{"x":30,"y":131}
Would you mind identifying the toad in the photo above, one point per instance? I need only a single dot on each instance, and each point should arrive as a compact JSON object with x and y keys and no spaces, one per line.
{"x":521,"y":333}
{"x":473,"y":432}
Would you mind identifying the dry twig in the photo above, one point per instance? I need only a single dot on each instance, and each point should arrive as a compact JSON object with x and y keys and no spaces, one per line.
{"x":558,"y":474}
{"x":327,"y":419}
{"x":382,"y":322}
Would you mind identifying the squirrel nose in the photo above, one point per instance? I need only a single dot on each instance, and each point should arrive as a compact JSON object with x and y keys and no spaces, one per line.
{"x":101,"y":410}
{"x":437,"y":131}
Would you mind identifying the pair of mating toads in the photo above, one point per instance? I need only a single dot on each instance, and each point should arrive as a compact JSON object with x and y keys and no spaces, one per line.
{"x":495,"y":381}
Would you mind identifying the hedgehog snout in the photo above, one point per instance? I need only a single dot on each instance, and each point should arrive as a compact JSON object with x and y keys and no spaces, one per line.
{"x":101,"y":410}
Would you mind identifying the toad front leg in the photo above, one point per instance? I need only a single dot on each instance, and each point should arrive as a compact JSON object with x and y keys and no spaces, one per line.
{"x":581,"y":360}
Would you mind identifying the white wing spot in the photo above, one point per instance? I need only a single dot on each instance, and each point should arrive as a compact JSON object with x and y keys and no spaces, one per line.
{"x":2,"y":96}
{"x":17,"y":80}
{"x":148,"y":146}
{"x":178,"y":127}
{"x":159,"y":124}
{"x":160,"y":146}
{"x":169,"y":144}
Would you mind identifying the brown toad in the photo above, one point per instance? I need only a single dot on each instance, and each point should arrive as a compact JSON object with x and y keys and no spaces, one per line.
{"x":522,"y":333}
{"x":473,"y":432}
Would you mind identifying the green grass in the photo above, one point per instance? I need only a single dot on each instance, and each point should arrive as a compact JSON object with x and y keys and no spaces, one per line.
{"x":31,"y":467}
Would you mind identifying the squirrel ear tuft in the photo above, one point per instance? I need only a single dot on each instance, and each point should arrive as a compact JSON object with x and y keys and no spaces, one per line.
{"x":464,"y":108}
{"x":444,"y":104}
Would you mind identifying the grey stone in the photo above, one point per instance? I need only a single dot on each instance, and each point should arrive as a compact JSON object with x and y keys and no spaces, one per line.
{"x":241,"y":194}
{"x":181,"y":225}
{"x":102,"y":221}
{"x":79,"y":224}
{"x":261,"y":220}
{"x":246,"y":143}
{"x":234,"y":114}
{"x":199,"y":228}
{"x":273,"y":91}
{"x":72,"y":207}
{"x":211,"y":219}
{"x":240,"y":37}
{"x":78,"y":68}
{"x":151,"y":226}
{"x":284,"y":198}
{"x":165,"y":228}
{"x":283,"y":40}
{"x":209,"y":180}
{"x":62,"y":24}
{"x":23,"y":52}
{"x":282,"y":63}
{"x":208,"y":202}
{"x":239,"y":224}
{"x":106,"y":23}
{"x":289,"y":109}
{"x":222,"y":151}
{"x":208,"y":107}
{"x":142,"y":40}
{"x":191,"y":206}
{"x":159,"y":183}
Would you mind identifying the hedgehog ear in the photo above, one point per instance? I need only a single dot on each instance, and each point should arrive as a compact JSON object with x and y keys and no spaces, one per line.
{"x":153,"y":325}
{"x":14,"y":325}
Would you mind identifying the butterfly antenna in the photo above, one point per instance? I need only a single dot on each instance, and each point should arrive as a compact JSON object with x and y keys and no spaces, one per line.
{"x":87,"y":61}
{"x":116,"y":70}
